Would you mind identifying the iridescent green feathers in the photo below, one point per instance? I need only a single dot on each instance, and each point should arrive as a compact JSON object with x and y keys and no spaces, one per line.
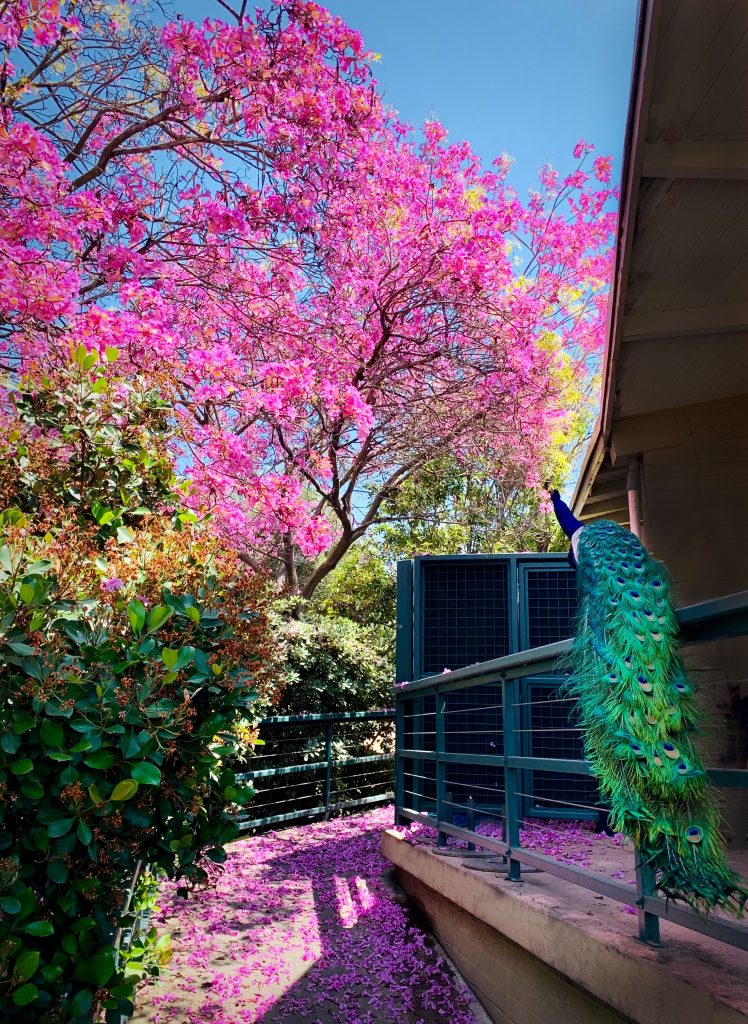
{"x":639,"y":716}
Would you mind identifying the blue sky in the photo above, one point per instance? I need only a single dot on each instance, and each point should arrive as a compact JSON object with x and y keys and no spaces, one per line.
{"x":528,"y":77}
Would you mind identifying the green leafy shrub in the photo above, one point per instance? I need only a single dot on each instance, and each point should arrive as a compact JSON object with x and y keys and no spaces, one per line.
{"x":132,"y":651}
{"x":114,"y":728}
{"x":334,"y":665}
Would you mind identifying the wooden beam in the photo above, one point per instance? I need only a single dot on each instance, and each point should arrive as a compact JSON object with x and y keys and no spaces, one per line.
{"x":618,"y":509}
{"x":727,"y":161}
{"x":671,"y":323}
{"x":686,"y":425}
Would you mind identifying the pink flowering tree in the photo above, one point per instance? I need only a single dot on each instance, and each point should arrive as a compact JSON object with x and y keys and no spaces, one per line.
{"x":327,"y":301}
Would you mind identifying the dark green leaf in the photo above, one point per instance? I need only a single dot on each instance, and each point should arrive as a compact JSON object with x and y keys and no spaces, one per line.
{"x":26,"y":965}
{"x":51,"y":733}
{"x":57,"y":871}
{"x":82,"y":1004}
{"x":97,"y":969}
{"x":10,"y":904}
{"x":61,"y":827}
{"x":100,"y":759}
{"x":158,"y":615}
{"x":25,"y":994}
{"x":18,"y":648}
{"x":22,"y":767}
{"x":84,"y":833}
{"x":40,"y":929}
{"x":32,"y":789}
{"x":10,"y":742}
{"x":146,"y":773}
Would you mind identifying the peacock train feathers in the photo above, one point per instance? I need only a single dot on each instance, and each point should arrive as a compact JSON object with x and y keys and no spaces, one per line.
{"x":638,"y":712}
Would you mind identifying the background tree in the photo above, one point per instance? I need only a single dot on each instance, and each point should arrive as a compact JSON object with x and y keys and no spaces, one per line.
{"x":328,"y":302}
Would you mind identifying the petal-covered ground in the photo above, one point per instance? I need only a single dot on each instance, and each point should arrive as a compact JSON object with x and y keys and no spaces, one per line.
{"x":301,"y":925}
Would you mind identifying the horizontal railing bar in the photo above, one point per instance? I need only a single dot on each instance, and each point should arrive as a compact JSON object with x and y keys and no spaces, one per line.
{"x":274,"y":818}
{"x":708,"y":620}
{"x":714,"y":927}
{"x":333,"y":716}
{"x":511,"y":666}
{"x":429,"y":755}
{"x":712,"y":620}
{"x":489,"y":842}
{"x":734,"y":778}
{"x":551,"y":764}
{"x":311,"y":812}
{"x":729,"y":778}
{"x":266,"y":773}
{"x":580,"y":877}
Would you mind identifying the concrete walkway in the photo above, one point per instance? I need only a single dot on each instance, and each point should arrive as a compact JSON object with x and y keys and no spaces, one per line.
{"x":302,"y":925}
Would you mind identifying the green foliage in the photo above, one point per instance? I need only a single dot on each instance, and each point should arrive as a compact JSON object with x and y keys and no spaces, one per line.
{"x":85,"y":438}
{"x":449,"y":508}
{"x":361,"y":588}
{"x":114,"y":728}
{"x":335,"y":665}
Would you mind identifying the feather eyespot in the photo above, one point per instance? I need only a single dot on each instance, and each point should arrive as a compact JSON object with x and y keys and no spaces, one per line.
{"x":657,"y":584}
{"x":694,"y":834}
{"x":620,"y":581}
{"x":651,"y":719}
{"x":680,"y":687}
{"x":682,"y":768}
{"x":613,"y":601}
{"x":657,"y":760}
{"x":656,"y":636}
{"x":635,"y":595}
{"x":672,"y":710}
{"x":644,"y":685}
{"x":670,"y":751}
{"x":639,"y":637}
{"x":648,"y":614}
{"x":661,"y":619}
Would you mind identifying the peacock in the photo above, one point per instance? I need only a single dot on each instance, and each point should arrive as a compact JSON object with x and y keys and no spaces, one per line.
{"x":639,"y":716}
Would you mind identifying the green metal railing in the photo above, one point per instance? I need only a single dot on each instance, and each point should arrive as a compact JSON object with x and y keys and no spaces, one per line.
{"x":309,"y":765}
{"x":422,"y":711}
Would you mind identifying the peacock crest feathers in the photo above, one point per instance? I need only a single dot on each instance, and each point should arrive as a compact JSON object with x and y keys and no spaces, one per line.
{"x":639,"y":715}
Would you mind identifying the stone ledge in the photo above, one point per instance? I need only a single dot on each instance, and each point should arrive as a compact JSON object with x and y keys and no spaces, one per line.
{"x":586,"y":940}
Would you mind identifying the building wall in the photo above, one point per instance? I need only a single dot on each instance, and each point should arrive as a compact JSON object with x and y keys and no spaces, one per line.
{"x":696,"y":522}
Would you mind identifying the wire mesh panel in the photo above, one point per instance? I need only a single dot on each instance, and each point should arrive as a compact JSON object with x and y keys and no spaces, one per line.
{"x":474,"y":724}
{"x":550,"y":728}
{"x":549,"y":606}
{"x":465,"y":613}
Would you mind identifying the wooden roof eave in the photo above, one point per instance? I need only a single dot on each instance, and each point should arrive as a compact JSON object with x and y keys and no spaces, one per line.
{"x":639,"y":99}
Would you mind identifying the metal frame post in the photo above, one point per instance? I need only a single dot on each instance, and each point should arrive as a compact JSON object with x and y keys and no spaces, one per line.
{"x":399,"y":761}
{"x":509,"y":695}
{"x":441,"y":768}
{"x":649,"y":924}
{"x":328,"y":766}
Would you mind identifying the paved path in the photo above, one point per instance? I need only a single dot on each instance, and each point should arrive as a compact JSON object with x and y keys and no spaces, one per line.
{"x":301,"y":926}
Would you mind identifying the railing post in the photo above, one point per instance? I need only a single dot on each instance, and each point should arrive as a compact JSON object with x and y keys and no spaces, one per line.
{"x":328,"y":767}
{"x":649,"y":924}
{"x":512,"y":802}
{"x":399,"y":761}
{"x":441,"y":768}
{"x":471,"y":819}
